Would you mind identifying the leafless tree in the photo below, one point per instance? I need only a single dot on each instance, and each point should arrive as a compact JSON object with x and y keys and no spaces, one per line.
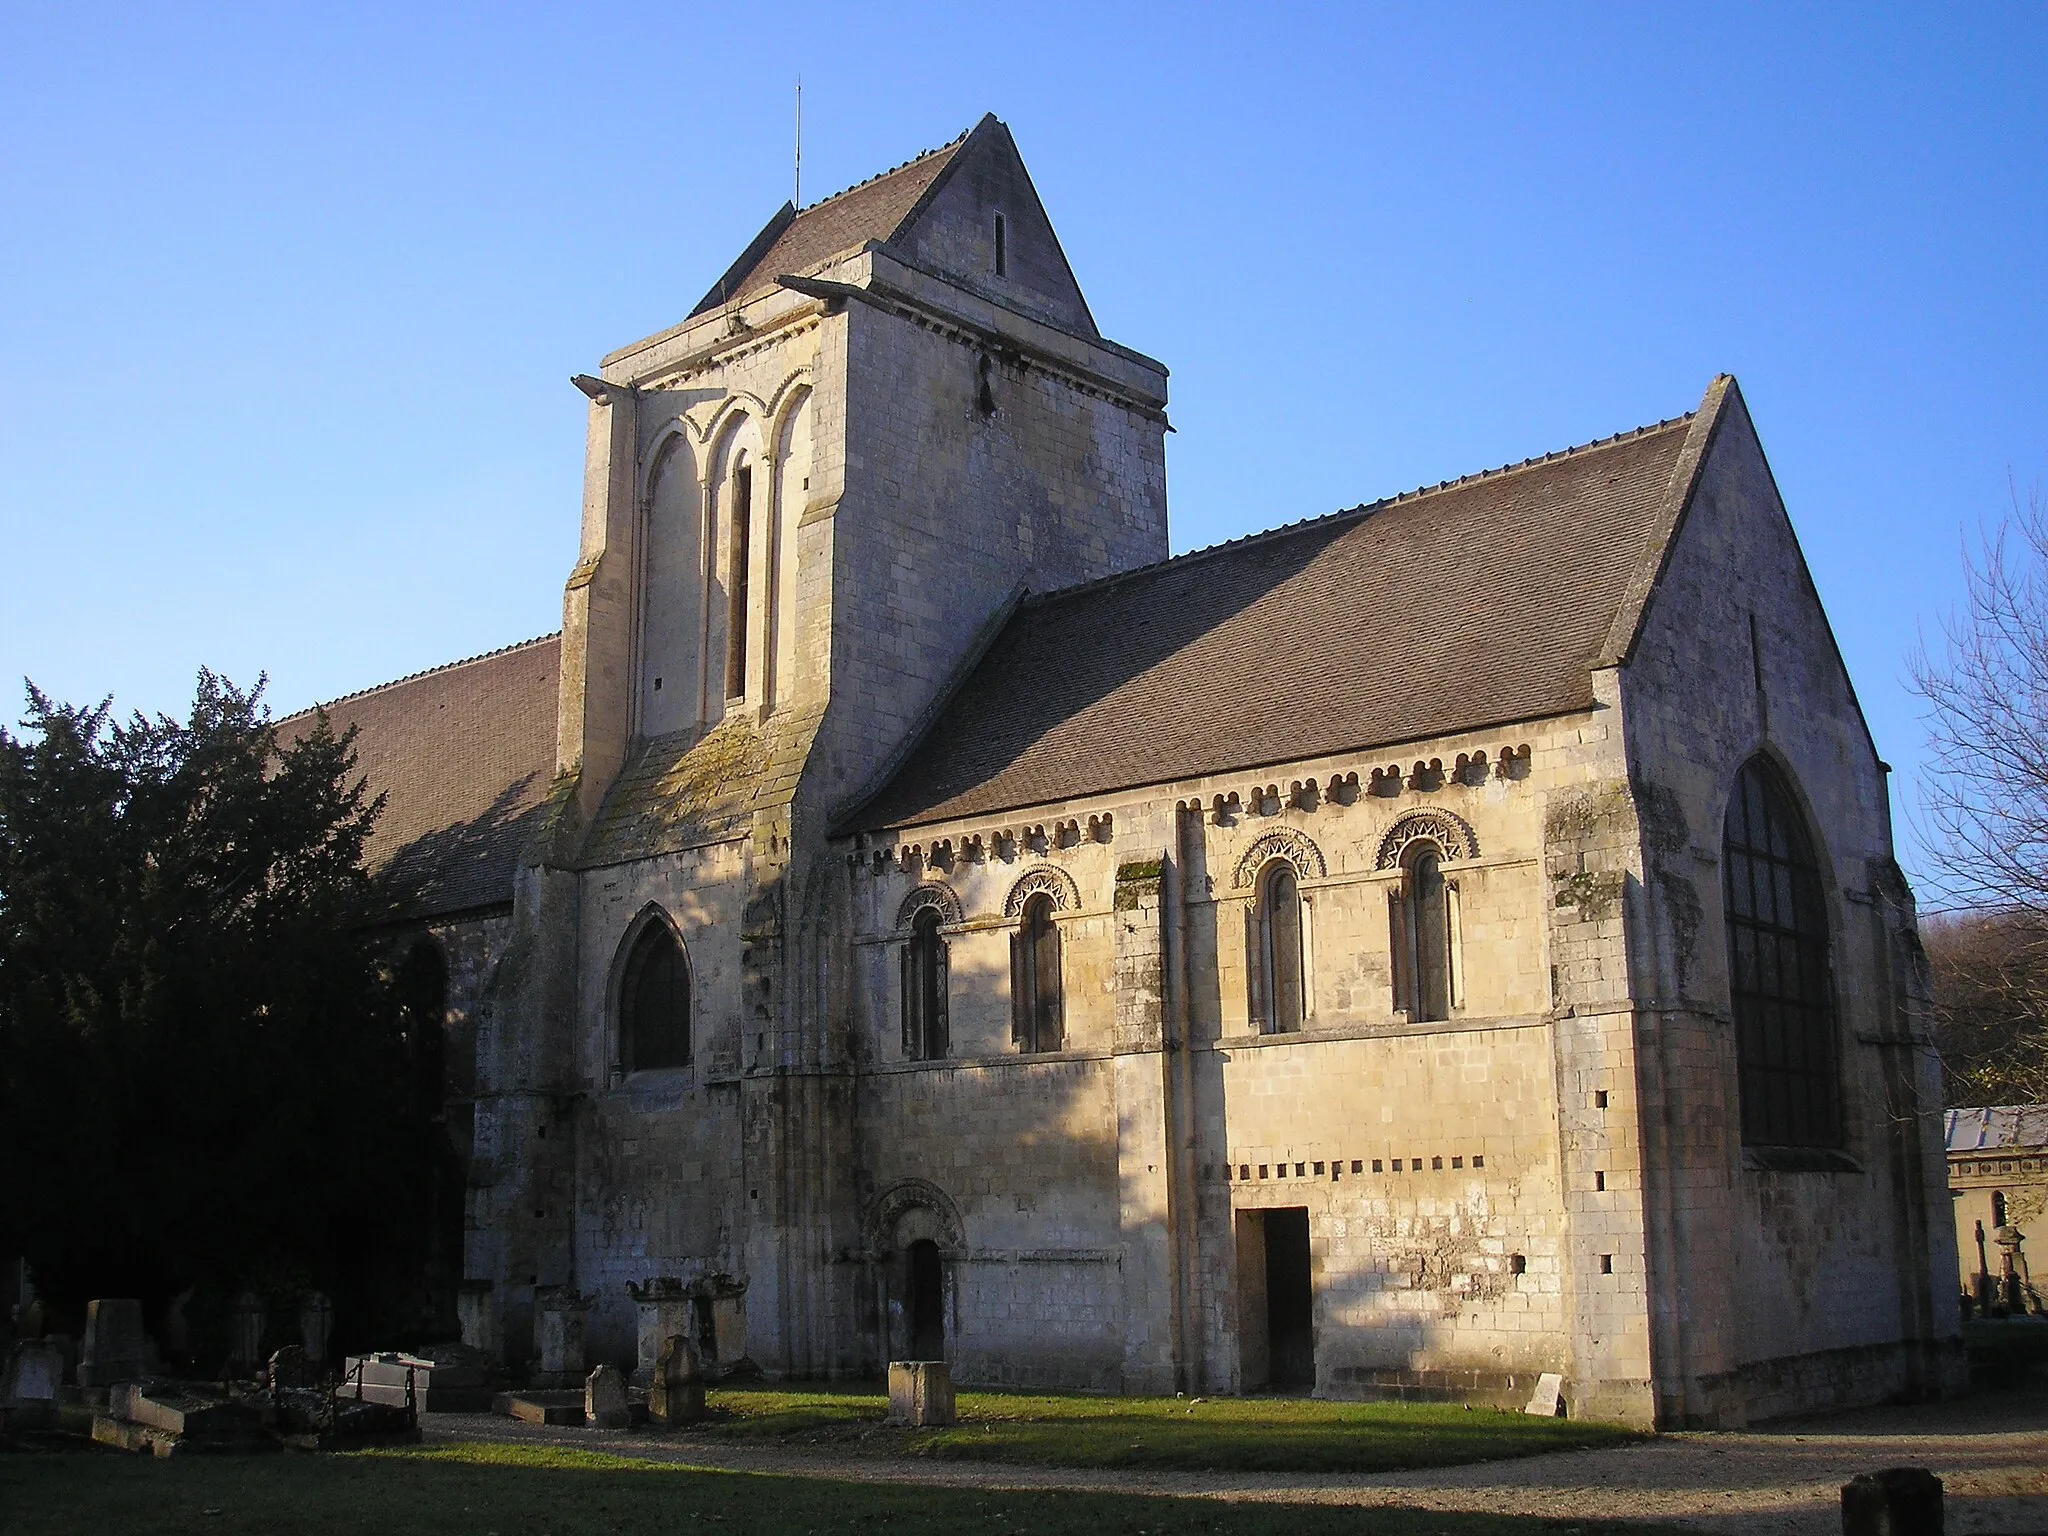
{"x":1984,"y":832}
{"x":1990,"y":972}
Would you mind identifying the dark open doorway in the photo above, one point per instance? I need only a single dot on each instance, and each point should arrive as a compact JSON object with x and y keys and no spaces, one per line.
{"x":927,"y":1296}
{"x":1290,"y":1300}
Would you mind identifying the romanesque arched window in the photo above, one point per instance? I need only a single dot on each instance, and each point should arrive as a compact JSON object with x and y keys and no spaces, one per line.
{"x":1424,"y":910}
{"x":1282,"y":991}
{"x":924,"y":988}
{"x":1037,"y":1009}
{"x":654,"y":1002}
{"x":1779,"y":983}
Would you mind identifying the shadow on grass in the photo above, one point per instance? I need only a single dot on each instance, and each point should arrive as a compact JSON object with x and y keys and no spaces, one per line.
{"x":1228,"y":1434}
{"x":484,"y":1489}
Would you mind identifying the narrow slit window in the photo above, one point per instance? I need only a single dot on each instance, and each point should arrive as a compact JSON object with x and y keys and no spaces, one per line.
{"x":1002,"y":247}
{"x":736,"y":582}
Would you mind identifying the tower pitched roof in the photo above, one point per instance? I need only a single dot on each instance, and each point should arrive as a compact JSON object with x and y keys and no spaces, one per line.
{"x":796,"y":240}
{"x":1476,"y":603}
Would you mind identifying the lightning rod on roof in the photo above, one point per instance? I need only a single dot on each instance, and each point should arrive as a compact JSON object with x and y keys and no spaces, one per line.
{"x":799,"y":142}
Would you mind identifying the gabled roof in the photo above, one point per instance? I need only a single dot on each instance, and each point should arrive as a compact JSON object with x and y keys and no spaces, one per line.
{"x":795,"y":242}
{"x":2000,"y":1128}
{"x":1480,"y":602}
{"x":464,"y":755}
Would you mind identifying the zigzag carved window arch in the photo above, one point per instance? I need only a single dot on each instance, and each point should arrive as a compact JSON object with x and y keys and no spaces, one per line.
{"x":1451,"y":833}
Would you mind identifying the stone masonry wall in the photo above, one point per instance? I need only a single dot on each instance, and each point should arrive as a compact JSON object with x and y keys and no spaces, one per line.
{"x":1762,"y":1265}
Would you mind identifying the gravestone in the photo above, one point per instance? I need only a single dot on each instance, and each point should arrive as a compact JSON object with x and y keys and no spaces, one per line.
{"x":290,"y":1367}
{"x":1899,"y":1501}
{"x":558,"y":1318}
{"x":316,"y":1325}
{"x":666,"y":1309}
{"x":114,"y":1343}
{"x":476,"y":1308}
{"x":677,"y":1393}
{"x":921,"y":1393}
{"x":604,"y":1399}
{"x":249,"y":1320}
{"x":30,"y":1383}
{"x":1548,"y":1399}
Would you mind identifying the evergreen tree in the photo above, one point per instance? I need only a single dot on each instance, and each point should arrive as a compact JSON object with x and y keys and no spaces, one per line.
{"x":203,"y":1078}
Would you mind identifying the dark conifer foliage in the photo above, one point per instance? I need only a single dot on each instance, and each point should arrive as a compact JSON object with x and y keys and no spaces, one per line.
{"x":204,"y":1078}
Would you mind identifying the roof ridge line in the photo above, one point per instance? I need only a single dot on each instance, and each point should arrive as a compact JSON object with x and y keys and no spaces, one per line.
{"x":1363,"y":509}
{"x":413,"y":677}
{"x":917,"y":159}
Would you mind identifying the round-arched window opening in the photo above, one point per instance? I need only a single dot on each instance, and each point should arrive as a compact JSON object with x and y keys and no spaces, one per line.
{"x":654,"y":1003}
{"x":1280,"y":936}
{"x":1038,"y":1023}
{"x":1780,"y":986}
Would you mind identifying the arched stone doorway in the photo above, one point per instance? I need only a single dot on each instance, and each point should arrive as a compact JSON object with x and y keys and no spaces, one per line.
{"x":915,"y":1243}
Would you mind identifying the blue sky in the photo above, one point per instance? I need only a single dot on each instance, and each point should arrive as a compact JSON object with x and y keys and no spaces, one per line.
{"x":289,"y":295}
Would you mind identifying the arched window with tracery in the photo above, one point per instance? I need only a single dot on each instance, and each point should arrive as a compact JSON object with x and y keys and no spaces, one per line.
{"x":1780,"y":986}
{"x":1423,"y":910}
{"x":654,"y":1002}
{"x":1037,"y":1009}
{"x":924,"y":988}
{"x":1282,"y":1000}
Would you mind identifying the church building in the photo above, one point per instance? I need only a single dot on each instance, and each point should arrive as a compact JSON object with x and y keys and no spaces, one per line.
{"x":907,"y":913}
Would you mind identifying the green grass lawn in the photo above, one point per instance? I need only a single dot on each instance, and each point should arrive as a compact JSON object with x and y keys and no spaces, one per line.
{"x":475,"y":1490}
{"x":1221,"y":1434}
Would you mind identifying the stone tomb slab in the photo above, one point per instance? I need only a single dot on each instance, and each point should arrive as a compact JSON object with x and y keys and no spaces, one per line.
{"x":564,"y":1407}
{"x":438,"y":1386}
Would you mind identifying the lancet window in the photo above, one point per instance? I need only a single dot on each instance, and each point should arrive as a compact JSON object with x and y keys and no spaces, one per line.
{"x":1780,"y":984}
{"x":654,"y":1002}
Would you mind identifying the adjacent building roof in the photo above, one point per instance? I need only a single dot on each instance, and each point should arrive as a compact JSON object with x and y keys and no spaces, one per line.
{"x":464,"y":755}
{"x":1997,"y":1129}
{"x":794,"y":242}
{"x":1474,"y":603}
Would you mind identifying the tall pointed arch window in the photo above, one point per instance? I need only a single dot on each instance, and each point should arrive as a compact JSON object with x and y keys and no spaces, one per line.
{"x":1283,"y":971}
{"x":1424,"y":920}
{"x":925,"y":987}
{"x":1037,"y":1009}
{"x":1780,"y":986}
{"x":654,"y":1002}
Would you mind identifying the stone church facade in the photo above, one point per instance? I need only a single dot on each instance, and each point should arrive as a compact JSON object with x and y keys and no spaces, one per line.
{"x":904,"y":912}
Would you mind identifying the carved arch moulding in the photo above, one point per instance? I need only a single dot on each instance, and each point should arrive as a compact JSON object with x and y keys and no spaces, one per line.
{"x":1295,"y":847}
{"x":1056,"y":883}
{"x":932,"y":893}
{"x":905,"y":1196}
{"x":1452,"y":835}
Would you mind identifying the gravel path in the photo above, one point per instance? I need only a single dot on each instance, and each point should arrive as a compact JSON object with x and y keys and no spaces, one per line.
{"x":1991,"y":1451}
